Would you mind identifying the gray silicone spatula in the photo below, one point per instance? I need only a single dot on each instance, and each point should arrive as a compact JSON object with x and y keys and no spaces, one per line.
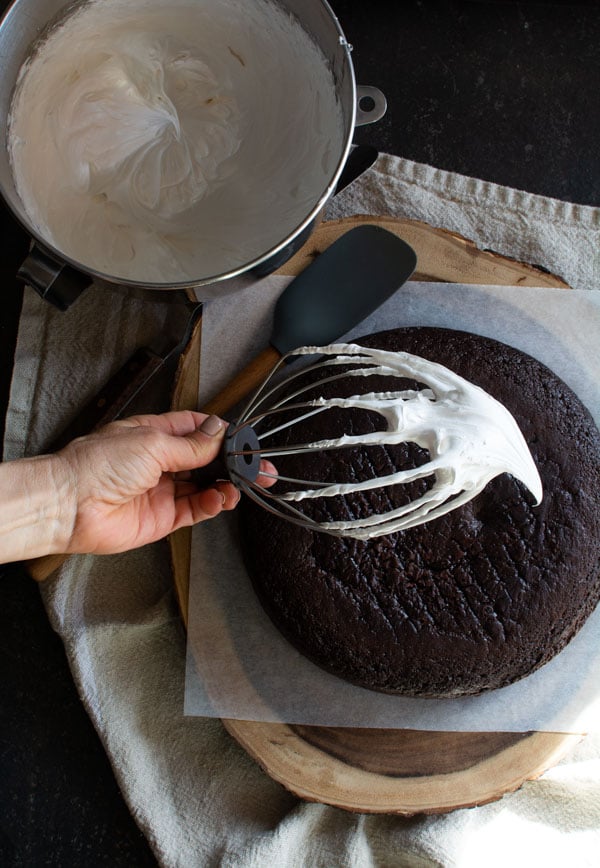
{"x":345,"y":283}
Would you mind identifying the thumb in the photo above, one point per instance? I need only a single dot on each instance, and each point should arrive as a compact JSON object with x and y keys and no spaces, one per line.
{"x":197,"y":448}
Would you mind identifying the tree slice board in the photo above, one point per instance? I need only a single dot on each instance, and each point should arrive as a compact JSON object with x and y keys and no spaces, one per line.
{"x":388,"y":770}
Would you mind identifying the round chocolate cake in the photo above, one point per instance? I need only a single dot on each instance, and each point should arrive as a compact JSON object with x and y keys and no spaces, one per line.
{"x":470,"y":601}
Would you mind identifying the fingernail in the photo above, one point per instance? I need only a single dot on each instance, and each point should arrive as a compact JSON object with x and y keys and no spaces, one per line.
{"x":211,"y":426}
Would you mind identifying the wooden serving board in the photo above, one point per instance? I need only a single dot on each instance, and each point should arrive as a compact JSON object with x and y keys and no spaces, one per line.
{"x":388,"y":770}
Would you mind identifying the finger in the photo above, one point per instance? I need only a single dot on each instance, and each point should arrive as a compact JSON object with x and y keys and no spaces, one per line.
{"x":196,"y":449}
{"x":202,"y":505}
{"x":176,"y":422}
{"x":266,"y":467}
{"x":230,"y":495}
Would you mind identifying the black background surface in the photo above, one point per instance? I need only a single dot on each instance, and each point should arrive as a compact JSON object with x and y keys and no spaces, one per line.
{"x":506,"y":92}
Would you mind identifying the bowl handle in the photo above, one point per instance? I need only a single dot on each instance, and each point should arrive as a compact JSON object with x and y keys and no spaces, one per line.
{"x":54,"y":280}
{"x":371,"y":104}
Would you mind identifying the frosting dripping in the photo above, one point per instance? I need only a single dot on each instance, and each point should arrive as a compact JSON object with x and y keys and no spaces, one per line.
{"x":470,"y":436}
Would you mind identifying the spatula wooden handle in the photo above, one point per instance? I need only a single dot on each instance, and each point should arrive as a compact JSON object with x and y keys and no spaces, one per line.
{"x":41,"y":568}
{"x":246,"y":382}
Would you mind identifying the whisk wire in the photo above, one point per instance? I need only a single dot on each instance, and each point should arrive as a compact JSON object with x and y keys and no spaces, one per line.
{"x":469,"y":436}
{"x":254,"y":420}
{"x":263,"y":394}
{"x":284,"y":509}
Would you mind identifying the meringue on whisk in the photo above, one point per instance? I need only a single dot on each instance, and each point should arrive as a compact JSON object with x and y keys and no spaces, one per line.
{"x":469,"y":435}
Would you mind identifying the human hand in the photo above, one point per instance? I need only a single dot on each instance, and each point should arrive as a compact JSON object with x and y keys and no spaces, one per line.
{"x":126,"y":484}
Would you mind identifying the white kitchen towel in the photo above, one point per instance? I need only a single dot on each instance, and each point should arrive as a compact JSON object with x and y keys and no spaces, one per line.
{"x":521,"y":225}
{"x":199,"y":798}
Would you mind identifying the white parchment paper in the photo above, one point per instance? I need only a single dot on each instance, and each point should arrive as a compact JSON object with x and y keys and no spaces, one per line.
{"x":239,"y":666}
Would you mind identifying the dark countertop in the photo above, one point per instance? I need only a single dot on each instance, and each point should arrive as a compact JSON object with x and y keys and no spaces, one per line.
{"x":507,"y":92}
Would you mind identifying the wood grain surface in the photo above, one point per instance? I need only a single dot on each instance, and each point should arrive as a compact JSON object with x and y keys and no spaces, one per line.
{"x":387,"y":770}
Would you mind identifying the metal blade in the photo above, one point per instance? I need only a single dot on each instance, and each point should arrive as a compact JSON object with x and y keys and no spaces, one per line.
{"x":119,"y":393}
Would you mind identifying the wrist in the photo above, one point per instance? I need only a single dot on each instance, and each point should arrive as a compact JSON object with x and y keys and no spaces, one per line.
{"x":38,"y":508}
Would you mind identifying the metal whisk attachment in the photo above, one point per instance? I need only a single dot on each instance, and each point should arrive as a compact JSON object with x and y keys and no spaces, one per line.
{"x":469,"y":436}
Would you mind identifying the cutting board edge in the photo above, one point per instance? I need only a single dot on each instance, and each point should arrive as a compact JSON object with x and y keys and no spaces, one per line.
{"x":454,"y":253}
